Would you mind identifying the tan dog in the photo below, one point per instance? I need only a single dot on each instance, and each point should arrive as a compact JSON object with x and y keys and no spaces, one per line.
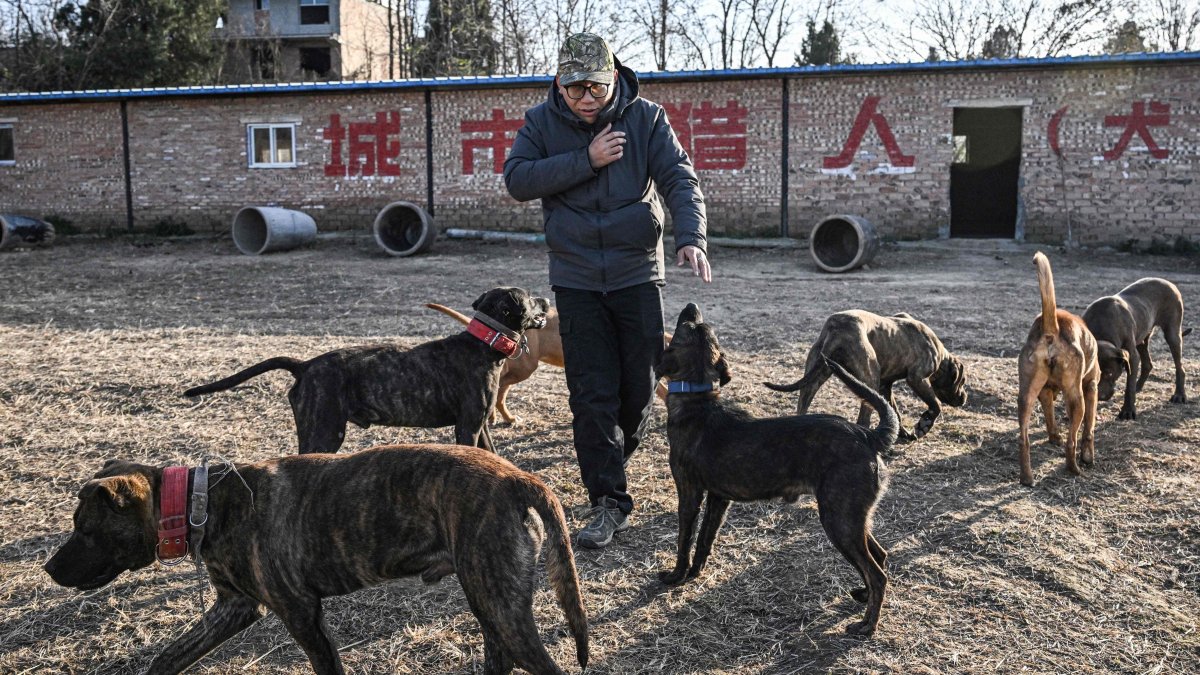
{"x":545,"y":346}
{"x":1058,"y":356}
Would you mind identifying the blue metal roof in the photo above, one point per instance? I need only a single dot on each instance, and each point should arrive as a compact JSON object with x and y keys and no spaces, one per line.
{"x":517,"y":81}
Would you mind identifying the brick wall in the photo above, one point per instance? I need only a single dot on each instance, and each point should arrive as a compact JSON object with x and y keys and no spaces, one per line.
{"x":189,"y":152}
{"x":68,"y":163}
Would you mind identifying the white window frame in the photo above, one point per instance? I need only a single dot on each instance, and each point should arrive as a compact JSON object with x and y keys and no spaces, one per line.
{"x":13,"y":133}
{"x":316,"y":3}
{"x":252,"y":155}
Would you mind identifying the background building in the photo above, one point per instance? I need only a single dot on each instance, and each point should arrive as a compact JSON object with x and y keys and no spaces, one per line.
{"x":1106,"y":146}
{"x":297,"y":40}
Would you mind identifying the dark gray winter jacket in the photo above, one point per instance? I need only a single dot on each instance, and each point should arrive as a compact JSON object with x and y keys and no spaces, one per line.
{"x":604,"y":228}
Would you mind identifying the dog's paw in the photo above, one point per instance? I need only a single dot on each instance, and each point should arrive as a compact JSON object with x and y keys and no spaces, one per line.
{"x":1127,"y":413}
{"x":1055,"y":439}
{"x":860,"y":594}
{"x":673,"y":577}
{"x":861,"y":629}
{"x":924,"y":424}
{"x":1027,"y":480}
{"x":1179,"y":398}
{"x":903,"y":436}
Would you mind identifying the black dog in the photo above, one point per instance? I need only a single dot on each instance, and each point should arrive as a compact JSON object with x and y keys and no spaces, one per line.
{"x":721,"y":450}
{"x":284,"y":533}
{"x":436,"y":384}
{"x":1123,"y":324}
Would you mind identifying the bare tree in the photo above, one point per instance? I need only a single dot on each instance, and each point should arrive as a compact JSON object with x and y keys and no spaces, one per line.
{"x":960,"y":29}
{"x":1171,"y":25}
{"x":674,"y":30}
{"x":772,"y":21}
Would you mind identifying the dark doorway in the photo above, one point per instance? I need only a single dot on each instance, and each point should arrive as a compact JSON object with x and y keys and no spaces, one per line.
{"x":983,"y":176}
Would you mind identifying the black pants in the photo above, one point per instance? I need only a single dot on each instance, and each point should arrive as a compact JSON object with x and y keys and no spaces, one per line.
{"x":611,"y":342}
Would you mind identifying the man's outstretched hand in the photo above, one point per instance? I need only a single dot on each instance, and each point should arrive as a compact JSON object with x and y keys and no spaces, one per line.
{"x":699,"y":262}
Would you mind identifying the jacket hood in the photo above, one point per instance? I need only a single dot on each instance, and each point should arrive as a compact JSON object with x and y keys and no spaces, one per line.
{"x":627,"y":93}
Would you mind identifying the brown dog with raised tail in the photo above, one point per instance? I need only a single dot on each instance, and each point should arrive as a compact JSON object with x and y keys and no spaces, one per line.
{"x":1059,"y":355}
{"x":719,"y":454}
{"x":285,"y":533}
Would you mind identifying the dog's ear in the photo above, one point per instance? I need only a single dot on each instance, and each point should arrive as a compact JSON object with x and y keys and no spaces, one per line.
{"x":724,"y":373}
{"x":116,"y":492}
{"x":1107,"y":351}
{"x":902,"y":315}
{"x":478,"y":301}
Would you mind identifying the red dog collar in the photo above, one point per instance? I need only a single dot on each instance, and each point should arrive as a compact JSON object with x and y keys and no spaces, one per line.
{"x":494,"y":338}
{"x":173,"y":522}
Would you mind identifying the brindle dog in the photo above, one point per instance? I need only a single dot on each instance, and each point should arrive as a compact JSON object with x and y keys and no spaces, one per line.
{"x":545,"y":346}
{"x":881,"y":351}
{"x":302,"y":528}
{"x":436,"y":384}
{"x":721,"y":450}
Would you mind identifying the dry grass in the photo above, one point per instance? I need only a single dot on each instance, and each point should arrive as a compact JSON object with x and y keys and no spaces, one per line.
{"x":1083,"y":575}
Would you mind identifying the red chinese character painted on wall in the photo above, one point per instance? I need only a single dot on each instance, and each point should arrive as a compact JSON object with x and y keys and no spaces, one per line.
{"x":680,"y":117}
{"x":370,"y":146}
{"x":498,"y":142}
{"x":868,"y":114}
{"x":715,"y":138}
{"x":719,"y":136}
{"x":1139,"y":123}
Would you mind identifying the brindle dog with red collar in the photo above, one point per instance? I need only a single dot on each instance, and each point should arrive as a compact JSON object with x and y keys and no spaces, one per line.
{"x":435,"y":384}
{"x":302,"y":528}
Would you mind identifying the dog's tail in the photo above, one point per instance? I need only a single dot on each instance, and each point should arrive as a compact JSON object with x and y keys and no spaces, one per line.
{"x":452,"y":313}
{"x":801,"y":383}
{"x":560,"y":567}
{"x":889,"y":424}
{"x":294,"y":366}
{"x":1046,"y":288}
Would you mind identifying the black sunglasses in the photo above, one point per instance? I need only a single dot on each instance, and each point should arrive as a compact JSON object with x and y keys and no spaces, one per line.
{"x":575,"y":91}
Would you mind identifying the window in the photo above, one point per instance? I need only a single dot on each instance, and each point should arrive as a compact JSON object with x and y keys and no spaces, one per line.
{"x":314,"y":11}
{"x":315,"y":60}
{"x":262,"y":5}
{"x":272,"y":146}
{"x":8,"y":153}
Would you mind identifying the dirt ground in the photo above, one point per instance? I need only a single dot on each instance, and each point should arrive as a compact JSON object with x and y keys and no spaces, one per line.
{"x":1091,"y":574}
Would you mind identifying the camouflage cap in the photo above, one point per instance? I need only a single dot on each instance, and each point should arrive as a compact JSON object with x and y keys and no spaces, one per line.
{"x":585,"y":56}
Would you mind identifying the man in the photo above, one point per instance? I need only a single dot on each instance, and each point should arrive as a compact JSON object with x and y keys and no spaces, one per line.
{"x":598,"y":156}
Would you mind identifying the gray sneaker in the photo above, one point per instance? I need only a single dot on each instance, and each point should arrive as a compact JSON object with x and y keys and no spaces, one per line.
{"x":606,"y":520}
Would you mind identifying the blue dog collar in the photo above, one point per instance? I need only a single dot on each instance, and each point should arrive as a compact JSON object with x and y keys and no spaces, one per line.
{"x":675,"y":387}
